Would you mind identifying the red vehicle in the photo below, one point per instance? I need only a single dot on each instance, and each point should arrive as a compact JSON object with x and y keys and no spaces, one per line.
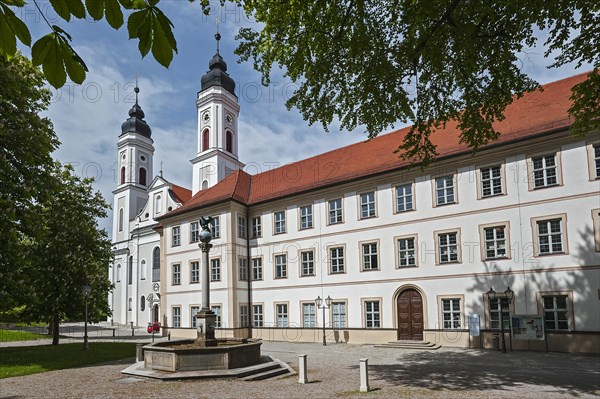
{"x":154,"y":327}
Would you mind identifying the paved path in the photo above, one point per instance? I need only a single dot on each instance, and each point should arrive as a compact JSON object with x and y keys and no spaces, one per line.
{"x":333,"y":372}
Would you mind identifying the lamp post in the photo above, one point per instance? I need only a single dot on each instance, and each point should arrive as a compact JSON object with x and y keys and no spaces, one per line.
{"x":86,"y":289}
{"x":321,"y":305}
{"x":508,"y":294}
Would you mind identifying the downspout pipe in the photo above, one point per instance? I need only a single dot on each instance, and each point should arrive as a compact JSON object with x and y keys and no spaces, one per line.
{"x":249,"y":271}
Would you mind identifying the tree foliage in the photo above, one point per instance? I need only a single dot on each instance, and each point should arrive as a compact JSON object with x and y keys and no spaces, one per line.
{"x":69,"y":252}
{"x":26,"y":142}
{"x":370,"y":63}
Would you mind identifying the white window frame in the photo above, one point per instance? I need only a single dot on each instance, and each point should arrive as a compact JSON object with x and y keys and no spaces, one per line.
{"x":258,"y":316}
{"x":280,"y":268}
{"x":282,"y":316}
{"x":404,"y":198}
{"x":242,"y":268}
{"x":175,"y":236}
{"x":339,"y":319}
{"x":309,"y":320}
{"x":371,"y":313}
{"x":194,"y":232}
{"x":596,"y":228}
{"x":402,"y":253}
{"x":176,"y":313}
{"x":539,"y":221}
{"x":306,"y":217}
{"x":176,"y":274}
{"x":216,"y":227}
{"x":244,"y":315}
{"x":334,"y":262}
{"x":455,"y":320}
{"x":218,"y":311}
{"x":194,"y":272}
{"x":495,"y":240}
{"x":367,"y":205}
{"x":241,"y":226}
{"x":593,"y":155}
{"x":279,"y":223}
{"x":257,"y":268}
{"x":335,"y":215}
{"x":450,"y":192}
{"x":256,"y":227}
{"x":307,"y":263}
{"x":497,"y":183}
{"x":194,"y":310}
{"x":215,"y":269}
{"x":531,"y":171}
{"x":438,"y":246}
{"x":369,"y":251}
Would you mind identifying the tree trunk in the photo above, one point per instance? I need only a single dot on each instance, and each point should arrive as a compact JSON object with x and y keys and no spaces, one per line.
{"x":55,"y":330}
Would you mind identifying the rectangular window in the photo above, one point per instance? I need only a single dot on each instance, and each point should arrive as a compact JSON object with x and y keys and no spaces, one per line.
{"x":448,"y":247}
{"x":491,"y":181}
{"x":280,"y":266}
{"x":444,"y":190}
{"x":336,"y":259}
{"x":257,"y":270}
{"x":369,"y":256}
{"x":256,"y":227}
{"x":544,"y":171}
{"x":404,"y":198}
{"x":194,"y":310}
{"x":243,"y":269}
{"x":281,"y":314}
{"x":495,"y":242}
{"x":215,"y":270}
{"x":176,"y":316}
{"x":217,"y":311}
{"x":451,"y":314}
{"x":257,"y":316}
{"x":241,"y":227}
{"x":280,"y":222}
{"x":550,"y":236}
{"x":597,"y":160}
{"x":367,"y":205}
{"x":194,"y":232}
{"x":243,"y":315}
{"x":309,"y":318}
{"x":407,"y":254}
{"x":176,"y":236}
{"x":335,"y":211}
{"x":372,"y":314}
{"x":556,"y":312}
{"x":306,"y":217}
{"x":194,"y":272}
{"x":307,"y":259}
{"x":495,"y":311}
{"x":216,"y":227}
{"x":177,"y":274}
{"x":338,"y":313}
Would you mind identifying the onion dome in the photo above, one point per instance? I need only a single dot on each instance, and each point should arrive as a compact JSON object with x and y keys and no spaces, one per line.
{"x":217,"y":74}
{"x":136,"y":123}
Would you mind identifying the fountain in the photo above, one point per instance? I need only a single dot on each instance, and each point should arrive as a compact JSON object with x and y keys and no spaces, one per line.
{"x":206,"y":356}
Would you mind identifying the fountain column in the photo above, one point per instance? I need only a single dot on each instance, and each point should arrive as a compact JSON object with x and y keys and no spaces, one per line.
{"x":206,"y":318}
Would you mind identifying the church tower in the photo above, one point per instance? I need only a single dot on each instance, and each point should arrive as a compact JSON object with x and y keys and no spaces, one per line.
{"x":134,"y":173}
{"x":218,"y":111}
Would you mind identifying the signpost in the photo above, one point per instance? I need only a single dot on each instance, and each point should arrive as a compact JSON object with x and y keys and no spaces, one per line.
{"x":474,"y":326}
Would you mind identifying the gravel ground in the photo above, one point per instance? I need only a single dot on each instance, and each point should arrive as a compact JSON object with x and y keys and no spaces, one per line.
{"x":333,"y":372}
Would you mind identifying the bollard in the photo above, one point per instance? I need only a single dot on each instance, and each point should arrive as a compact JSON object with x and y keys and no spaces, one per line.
{"x":364,"y":375}
{"x":131,"y":328}
{"x":139,"y":353}
{"x":302,"y":375}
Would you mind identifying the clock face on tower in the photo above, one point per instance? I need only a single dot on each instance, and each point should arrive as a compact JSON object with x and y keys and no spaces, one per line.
{"x":229,"y":119}
{"x":206,"y":117}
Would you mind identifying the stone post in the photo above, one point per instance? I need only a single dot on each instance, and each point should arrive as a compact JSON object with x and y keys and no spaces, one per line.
{"x":364,"y":375}
{"x":206,"y":319}
{"x":302,"y":375}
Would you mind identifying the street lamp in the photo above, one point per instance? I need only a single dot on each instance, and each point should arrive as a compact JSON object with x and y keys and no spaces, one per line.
{"x":508,"y":294}
{"x":86,"y":289}
{"x":321,"y":305}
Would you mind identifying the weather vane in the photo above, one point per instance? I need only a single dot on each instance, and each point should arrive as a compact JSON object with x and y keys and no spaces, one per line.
{"x":218,"y":35}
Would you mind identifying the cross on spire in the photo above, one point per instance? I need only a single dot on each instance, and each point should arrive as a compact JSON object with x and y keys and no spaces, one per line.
{"x":136,"y":89}
{"x":161,"y":168}
{"x":218,"y":35}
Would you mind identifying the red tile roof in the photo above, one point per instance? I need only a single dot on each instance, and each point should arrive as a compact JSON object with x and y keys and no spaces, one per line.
{"x":535,"y":113}
{"x":181,"y":194}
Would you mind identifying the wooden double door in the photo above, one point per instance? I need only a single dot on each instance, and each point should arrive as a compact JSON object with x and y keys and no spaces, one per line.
{"x":410,"y":315}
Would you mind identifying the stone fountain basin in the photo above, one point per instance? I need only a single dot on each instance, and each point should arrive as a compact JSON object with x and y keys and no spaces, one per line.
{"x":183,"y":355}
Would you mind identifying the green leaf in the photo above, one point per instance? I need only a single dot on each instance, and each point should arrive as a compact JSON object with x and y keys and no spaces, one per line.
{"x":40,"y":49}
{"x":62,"y":9}
{"x":134,"y":22}
{"x":145,"y":36}
{"x":153,"y":3}
{"x":60,"y":30}
{"x":75,"y":70}
{"x":76,"y":8}
{"x":8,"y":41}
{"x":161,"y":48}
{"x":16,"y":3}
{"x":114,"y":15}
{"x":17,"y":26}
{"x":95,"y":9}
{"x":53,"y":63}
{"x":166,"y":26}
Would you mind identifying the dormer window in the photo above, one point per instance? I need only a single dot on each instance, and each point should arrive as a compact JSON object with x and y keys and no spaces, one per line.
{"x":158,"y":204}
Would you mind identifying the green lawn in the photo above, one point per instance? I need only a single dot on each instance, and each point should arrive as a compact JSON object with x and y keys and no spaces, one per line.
{"x":18,"y":335}
{"x":26,"y":360}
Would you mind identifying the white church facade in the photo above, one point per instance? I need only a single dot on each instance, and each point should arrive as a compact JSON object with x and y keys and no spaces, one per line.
{"x":401,"y":253}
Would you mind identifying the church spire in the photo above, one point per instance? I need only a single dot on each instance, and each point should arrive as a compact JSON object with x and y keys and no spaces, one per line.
{"x":136,"y":123}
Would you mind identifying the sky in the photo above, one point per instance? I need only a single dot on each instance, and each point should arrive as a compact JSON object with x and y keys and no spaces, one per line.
{"x":87,"y":118}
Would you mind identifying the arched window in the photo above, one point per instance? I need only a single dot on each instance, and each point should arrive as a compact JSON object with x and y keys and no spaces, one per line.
{"x":158,"y":204}
{"x":130,"y":271}
{"x":142,"y":176}
{"x":229,"y":141}
{"x":204,"y":184}
{"x":118,"y":273}
{"x":156,"y":264}
{"x":121,"y":219}
{"x":143,"y":270}
{"x":130,"y":304}
{"x":142,"y":303}
{"x":122,"y":174}
{"x":205,"y":141}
